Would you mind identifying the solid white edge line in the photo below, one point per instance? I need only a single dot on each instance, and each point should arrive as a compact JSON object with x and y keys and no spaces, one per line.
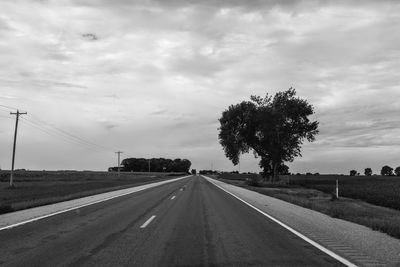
{"x":80,"y":206}
{"x":308,"y":240}
{"x":173,"y":197}
{"x":148,"y":221}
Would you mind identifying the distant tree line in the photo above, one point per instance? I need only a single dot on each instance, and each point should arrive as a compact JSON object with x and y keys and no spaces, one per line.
{"x":208,"y":172}
{"x":307,"y":173}
{"x":154,"y":165}
{"x":385,"y":171}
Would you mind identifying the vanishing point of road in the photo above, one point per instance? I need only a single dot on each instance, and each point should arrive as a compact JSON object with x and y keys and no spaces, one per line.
{"x":189,"y":222}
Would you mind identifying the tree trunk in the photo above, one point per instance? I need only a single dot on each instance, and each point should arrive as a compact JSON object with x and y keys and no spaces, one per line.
{"x":275,"y":172}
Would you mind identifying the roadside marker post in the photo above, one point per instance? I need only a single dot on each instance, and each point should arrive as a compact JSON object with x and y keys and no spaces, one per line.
{"x":337,"y":189}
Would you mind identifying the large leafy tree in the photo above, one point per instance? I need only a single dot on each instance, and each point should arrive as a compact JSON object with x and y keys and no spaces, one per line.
{"x":274,"y":128}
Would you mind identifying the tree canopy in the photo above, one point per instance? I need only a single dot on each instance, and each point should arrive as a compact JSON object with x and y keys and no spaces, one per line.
{"x":353,"y":173}
{"x":387,"y":170}
{"x":274,"y":128}
{"x":368,"y":171}
{"x":397,"y":171}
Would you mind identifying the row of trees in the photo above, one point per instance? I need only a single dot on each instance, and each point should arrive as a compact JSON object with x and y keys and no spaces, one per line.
{"x":156,"y":165}
{"x":385,"y":171}
{"x":208,"y":172}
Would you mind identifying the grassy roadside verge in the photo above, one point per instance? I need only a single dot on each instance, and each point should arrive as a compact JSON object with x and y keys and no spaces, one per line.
{"x":41,"y":188}
{"x":378,"y":218}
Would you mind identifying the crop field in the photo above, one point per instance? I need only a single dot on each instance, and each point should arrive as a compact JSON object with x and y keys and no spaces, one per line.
{"x":36,"y":188}
{"x":378,"y":190}
{"x":235,"y":176}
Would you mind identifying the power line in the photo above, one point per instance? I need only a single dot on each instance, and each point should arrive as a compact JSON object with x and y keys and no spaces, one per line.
{"x":70,"y":135}
{"x":9,"y":108}
{"x":65,"y":135}
{"x":5,"y":106}
{"x":65,"y":138}
{"x":55,"y":134}
{"x":47,"y":127}
{"x":6,"y":110}
{"x":6,"y":117}
{"x":54,"y":131}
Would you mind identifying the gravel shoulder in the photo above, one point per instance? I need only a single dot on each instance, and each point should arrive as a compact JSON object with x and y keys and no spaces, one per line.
{"x":357,"y":243}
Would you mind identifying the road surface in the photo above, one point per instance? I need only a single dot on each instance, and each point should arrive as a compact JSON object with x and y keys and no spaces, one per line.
{"x":190,"y":222}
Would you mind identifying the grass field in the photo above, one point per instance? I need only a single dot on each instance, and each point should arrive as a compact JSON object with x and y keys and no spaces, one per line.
{"x":36,"y":188}
{"x":378,"y":190}
{"x":371,"y":201}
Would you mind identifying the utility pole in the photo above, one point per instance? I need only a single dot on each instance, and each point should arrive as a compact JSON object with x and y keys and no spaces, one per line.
{"x":17,"y":114}
{"x":119,"y":153}
{"x":149,"y":165}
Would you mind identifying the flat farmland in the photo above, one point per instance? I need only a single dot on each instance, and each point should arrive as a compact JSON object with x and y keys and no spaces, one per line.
{"x":37,"y":188}
{"x":378,"y":190}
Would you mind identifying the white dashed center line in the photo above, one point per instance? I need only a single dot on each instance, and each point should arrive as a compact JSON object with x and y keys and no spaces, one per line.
{"x":148,"y":221}
{"x":172,"y":197}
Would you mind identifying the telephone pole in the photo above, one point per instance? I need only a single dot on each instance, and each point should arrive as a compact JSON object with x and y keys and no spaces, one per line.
{"x":149,"y":165}
{"x":17,"y":114}
{"x":119,"y":153}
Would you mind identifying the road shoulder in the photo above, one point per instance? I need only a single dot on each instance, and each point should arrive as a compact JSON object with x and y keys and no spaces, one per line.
{"x":357,"y":243}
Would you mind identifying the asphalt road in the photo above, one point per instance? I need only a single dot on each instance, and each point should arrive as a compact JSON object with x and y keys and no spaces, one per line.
{"x":185,"y":223}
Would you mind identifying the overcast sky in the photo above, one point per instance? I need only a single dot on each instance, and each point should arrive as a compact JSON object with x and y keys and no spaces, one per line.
{"x":151,"y":78}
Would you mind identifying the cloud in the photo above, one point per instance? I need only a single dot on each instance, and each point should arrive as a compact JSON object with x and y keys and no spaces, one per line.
{"x":7,"y":97}
{"x":159,"y":112}
{"x":154,"y":76}
{"x":90,"y":36}
{"x":110,"y":126}
{"x":4,"y":26}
